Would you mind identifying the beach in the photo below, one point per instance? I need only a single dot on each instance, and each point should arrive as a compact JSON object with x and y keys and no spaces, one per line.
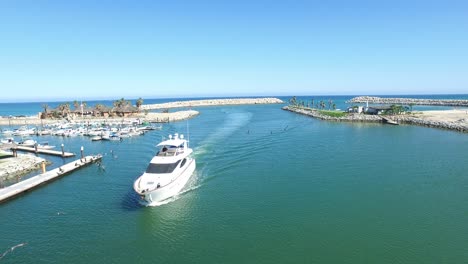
{"x":455,"y":115}
{"x":455,"y":119}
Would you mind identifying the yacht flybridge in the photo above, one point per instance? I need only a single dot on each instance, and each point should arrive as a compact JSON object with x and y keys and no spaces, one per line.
{"x":168,"y":171}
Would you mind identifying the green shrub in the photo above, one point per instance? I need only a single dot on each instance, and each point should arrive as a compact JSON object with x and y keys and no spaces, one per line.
{"x":337,"y":114}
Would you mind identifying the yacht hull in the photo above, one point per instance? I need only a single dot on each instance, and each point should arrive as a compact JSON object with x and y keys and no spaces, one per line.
{"x":156,"y":196}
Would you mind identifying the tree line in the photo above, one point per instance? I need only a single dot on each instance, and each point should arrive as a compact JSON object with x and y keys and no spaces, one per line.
{"x":322,"y":105}
{"x":120,"y":107}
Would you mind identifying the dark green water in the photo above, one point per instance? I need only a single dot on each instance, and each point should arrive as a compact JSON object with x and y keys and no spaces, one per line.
{"x":270,"y":187}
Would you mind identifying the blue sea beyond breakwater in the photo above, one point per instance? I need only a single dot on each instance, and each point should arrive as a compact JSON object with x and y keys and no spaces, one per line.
{"x":33,"y":108}
{"x":270,"y":186}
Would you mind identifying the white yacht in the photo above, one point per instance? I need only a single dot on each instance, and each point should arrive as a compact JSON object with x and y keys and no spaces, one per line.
{"x":167,"y":173}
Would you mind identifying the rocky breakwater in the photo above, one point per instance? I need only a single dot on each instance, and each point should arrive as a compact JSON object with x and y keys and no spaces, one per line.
{"x":440,"y":120}
{"x":348,"y":117}
{"x":170,"y":117}
{"x":408,"y":101}
{"x":213,"y":102}
{"x":17,"y":166}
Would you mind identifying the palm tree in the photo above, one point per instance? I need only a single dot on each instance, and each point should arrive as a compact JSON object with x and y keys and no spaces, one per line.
{"x":64,"y":109}
{"x":99,"y":108}
{"x":293,"y":101}
{"x":322,"y":104}
{"x":411,"y":107}
{"x":120,"y":103}
{"x":139,"y":103}
{"x":46,"y":109}
{"x":334,"y":106}
{"x":76,"y":104}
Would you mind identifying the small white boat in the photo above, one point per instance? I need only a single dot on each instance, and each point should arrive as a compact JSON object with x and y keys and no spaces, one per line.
{"x":28,"y":143}
{"x":7,"y":132}
{"x":45,"y":145}
{"x":167,"y":173}
{"x":96,"y":138}
{"x":24,"y":131}
{"x":8,"y":140}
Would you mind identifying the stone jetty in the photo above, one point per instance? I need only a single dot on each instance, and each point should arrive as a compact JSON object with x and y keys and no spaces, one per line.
{"x":351,"y":117}
{"x":170,"y":117}
{"x":408,"y":101}
{"x":447,"y":119}
{"x":20,"y":165}
{"x":213,"y":102}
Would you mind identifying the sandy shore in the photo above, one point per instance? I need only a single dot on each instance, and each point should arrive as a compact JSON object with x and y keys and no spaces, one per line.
{"x":456,"y":115}
{"x":213,"y":102}
{"x":445,"y":119}
{"x":24,"y":163}
{"x":150,"y":117}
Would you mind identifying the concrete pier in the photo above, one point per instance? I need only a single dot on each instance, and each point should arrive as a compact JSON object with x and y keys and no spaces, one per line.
{"x":26,"y":185}
{"x":44,"y":151}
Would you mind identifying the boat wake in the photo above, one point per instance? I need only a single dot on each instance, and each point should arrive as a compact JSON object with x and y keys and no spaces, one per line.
{"x":12,"y":249}
{"x":234,"y":121}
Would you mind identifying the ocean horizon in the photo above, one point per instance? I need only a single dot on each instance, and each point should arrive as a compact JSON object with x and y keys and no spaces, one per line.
{"x":33,"y":108}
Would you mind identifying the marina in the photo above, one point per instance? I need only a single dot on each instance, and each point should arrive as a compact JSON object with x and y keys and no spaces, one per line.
{"x":245,"y":189}
{"x":320,"y":132}
{"x":28,"y":184}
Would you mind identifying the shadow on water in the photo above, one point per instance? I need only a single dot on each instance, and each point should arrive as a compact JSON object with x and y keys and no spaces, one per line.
{"x":130,"y":201}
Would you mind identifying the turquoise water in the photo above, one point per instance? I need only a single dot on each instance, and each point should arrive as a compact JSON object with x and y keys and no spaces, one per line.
{"x":270,"y":187}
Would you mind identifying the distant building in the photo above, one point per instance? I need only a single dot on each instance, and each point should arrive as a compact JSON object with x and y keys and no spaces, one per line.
{"x":355,"y":109}
{"x":376,"y":110}
{"x":125,"y":110}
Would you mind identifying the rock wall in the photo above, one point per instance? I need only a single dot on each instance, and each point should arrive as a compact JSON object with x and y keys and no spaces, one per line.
{"x":458,"y":126}
{"x":401,"y":119}
{"x":213,"y":102}
{"x":408,"y":101}
{"x":24,"y":163}
{"x":352,"y":117}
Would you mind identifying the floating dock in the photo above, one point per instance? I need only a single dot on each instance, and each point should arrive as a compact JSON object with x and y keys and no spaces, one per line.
{"x":26,"y":185}
{"x":44,"y":151}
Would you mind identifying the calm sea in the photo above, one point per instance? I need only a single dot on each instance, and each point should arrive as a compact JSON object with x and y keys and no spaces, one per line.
{"x":270,"y":187}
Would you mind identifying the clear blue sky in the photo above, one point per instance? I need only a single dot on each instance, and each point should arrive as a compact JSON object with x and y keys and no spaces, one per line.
{"x":112,"y":49}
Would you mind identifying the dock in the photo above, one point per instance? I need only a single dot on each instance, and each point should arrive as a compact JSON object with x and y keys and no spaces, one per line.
{"x":388,"y":120}
{"x":43,"y":151}
{"x":28,"y":184}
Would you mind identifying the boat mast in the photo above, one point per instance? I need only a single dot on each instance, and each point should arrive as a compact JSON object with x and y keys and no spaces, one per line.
{"x":188,"y":134}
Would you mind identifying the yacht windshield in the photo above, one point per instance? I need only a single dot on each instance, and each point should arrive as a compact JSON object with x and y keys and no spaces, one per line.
{"x":162,"y":168}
